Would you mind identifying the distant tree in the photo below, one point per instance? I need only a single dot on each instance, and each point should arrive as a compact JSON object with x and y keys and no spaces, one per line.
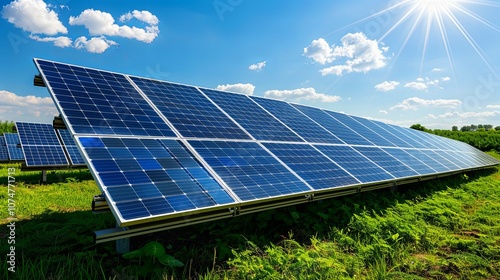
{"x":6,"y":126}
{"x":418,"y":127}
{"x":473,"y":127}
{"x":454,"y":128}
{"x":488,"y":126}
{"x":480,"y":126}
{"x":465,"y":128}
{"x":497,"y":128}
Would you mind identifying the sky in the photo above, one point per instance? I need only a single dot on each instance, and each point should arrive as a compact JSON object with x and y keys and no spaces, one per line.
{"x":432,"y":62}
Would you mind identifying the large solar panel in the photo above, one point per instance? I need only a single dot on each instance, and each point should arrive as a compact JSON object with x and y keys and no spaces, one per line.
{"x":14,"y":146}
{"x":160,"y":150}
{"x":4,"y":154}
{"x":69,"y":145}
{"x":40,"y":145}
{"x":191,"y":113}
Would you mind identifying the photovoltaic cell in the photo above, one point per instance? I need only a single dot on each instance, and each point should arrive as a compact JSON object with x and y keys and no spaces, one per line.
{"x":411,"y":161}
{"x":100,"y":102}
{"x":382,"y":131}
{"x":4,"y":154}
{"x":356,"y":164}
{"x":249,"y":170}
{"x":14,"y":146}
{"x":429,"y":161}
{"x":351,"y":122}
{"x":335,"y":127}
{"x":189,"y":111}
{"x":297,"y":121}
{"x":40,"y":145}
{"x":69,"y":144}
{"x":260,"y":124}
{"x":316,"y":169}
{"x":386,"y":161}
{"x":150,"y":177}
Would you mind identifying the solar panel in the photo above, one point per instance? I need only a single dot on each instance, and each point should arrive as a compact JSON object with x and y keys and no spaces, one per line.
{"x":254,"y":119}
{"x":161,"y":150}
{"x":191,"y":113}
{"x":14,"y":146}
{"x":249,"y":170}
{"x":69,"y":145}
{"x":4,"y":154}
{"x":298,"y":122}
{"x":100,"y":102}
{"x":40,"y":145}
{"x":150,"y":177}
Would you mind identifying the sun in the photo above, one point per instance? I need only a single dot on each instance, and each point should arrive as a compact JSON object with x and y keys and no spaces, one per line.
{"x":441,"y":16}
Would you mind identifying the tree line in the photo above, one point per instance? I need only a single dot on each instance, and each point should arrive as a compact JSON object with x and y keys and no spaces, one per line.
{"x":483,"y":137}
{"x":7,"y":126}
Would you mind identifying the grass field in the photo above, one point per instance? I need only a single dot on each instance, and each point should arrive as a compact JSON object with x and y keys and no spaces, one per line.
{"x":441,"y":229}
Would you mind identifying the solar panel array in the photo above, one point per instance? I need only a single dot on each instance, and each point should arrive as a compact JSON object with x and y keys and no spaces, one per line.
{"x":75,"y":157}
{"x":159,"y":150}
{"x":14,"y":146}
{"x":4,"y":154}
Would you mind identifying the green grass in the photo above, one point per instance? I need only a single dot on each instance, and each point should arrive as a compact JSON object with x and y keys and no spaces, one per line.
{"x":441,"y":229}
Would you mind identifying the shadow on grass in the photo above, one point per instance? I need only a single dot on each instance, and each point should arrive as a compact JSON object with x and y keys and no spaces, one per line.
{"x":53,"y":176}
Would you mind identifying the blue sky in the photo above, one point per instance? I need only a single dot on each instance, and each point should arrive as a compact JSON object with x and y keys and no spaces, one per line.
{"x":433,"y":62}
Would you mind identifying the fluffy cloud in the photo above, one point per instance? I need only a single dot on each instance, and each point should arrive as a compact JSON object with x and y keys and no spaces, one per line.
{"x":437,"y":70}
{"x":387,"y":86}
{"x":445,"y":79}
{"x":33,"y":16}
{"x":102,"y":23}
{"x":416,"y":85}
{"x":362,"y":54}
{"x":384,"y":112}
{"x":493,"y":106}
{"x":301,"y":94}
{"x":241,"y":88}
{"x":414,"y":103}
{"x":258,"y":66}
{"x":15,"y":107}
{"x":143,"y":16}
{"x":424,"y":84}
{"x":464,"y":115}
{"x":61,"y":41}
{"x":94,"y":45}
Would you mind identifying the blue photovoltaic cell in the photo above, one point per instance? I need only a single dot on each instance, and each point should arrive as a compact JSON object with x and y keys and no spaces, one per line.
{"x":402,"y":134}
{"x":249,"y":170}
{"x":386,"y":161}
{"x":434,"y":164}
{"x":260,"y":124}
{"x":149,"y":177}
{"x":297,"y":121}
{"x":369,"y":134}
{"x":189,"y":111}
{"x":100,"y":102}
{"x":335,"y":127}
{"x":40,"y":144}
{"x":382,"y":131}
{"x":4,"y":154}
{"x":14,"y":146}
{"x":442,"y":160}
{"x":312,"y":166}
{"x":355,"y":163}
{"x":69,"y":144}
{"x":411,"y":161}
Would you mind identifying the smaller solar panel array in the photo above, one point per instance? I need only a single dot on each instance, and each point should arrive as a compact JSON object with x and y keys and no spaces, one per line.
{"x":39,"y":145}
{"x":14,"y":147}
{"x":4,"y":154}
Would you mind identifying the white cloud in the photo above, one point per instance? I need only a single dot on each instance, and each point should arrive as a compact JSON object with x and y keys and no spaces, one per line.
{"x":61,"y":41}
{"x":258,"y":66}
{"x":414,"y":103}
{"x":241,"y":88}
{"x":301,"y":94}
{"x":94,"y":45}
{"x":493,"y":106}
{"x":33,"y":16}
{"x":362,"y":54}
{"x":144,"y":16}
{"x":384,"y":112}
{"x":416,"y":85}
{"x":25,"y":108}
{"x":387,"y":86}
{"x":102,"y":23}
{"x":437,"y":70}
{"x":484,"y":114}
{"x":445,"y":79}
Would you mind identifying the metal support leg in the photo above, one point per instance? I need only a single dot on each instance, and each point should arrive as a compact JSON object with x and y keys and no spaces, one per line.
{"x":44,"y":176}
{"x":122,"y":245}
